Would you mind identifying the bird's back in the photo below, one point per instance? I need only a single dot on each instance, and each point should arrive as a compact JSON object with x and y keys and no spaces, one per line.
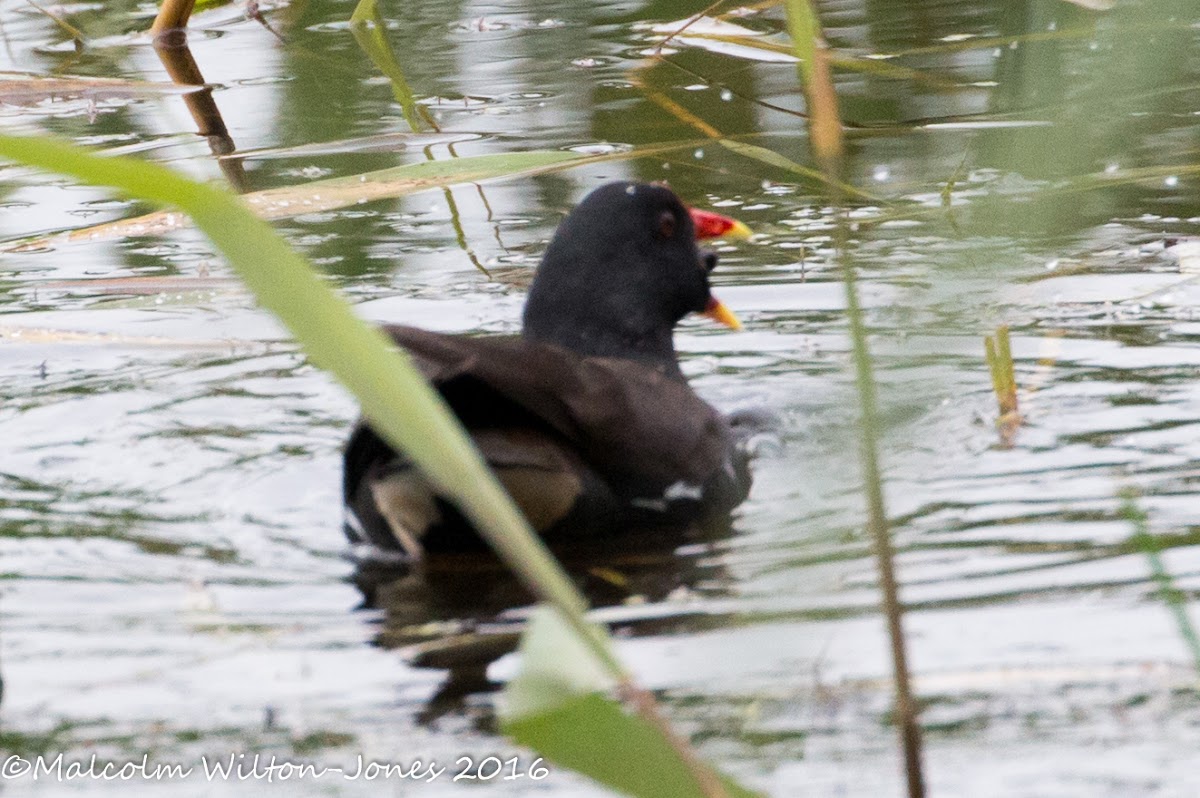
{"x":585,"y":445}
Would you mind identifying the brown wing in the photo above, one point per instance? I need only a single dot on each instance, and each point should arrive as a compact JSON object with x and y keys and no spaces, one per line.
{"x":641,"y":430}
{"x":576,"y":441}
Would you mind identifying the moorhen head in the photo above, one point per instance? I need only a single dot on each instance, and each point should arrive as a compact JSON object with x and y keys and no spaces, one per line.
{"x":585,"y":418}
{"x":621,"y":271}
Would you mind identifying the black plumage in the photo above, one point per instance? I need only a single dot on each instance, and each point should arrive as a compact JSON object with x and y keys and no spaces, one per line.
{"x":585,"y":417}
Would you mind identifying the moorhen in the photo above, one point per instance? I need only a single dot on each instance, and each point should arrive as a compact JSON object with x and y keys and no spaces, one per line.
{"x":585,"y":417}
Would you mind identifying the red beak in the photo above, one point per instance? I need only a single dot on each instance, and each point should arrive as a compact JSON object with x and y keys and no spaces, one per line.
{"x":714,"y":225}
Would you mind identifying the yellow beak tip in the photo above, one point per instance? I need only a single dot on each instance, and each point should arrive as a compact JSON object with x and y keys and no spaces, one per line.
{"x":719,"y":312}
{"x":739,"y":231}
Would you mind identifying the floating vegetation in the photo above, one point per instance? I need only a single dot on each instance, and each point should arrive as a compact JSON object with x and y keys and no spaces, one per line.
{"x":1004,"y":383}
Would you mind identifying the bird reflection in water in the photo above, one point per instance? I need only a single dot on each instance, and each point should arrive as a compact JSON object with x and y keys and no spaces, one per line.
{"x":459,"y":613}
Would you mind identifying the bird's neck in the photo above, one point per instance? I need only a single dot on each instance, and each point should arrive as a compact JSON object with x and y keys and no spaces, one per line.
{"x":654,"y":347}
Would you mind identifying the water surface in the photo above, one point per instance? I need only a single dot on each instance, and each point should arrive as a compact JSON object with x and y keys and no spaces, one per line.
{"x":174,"y":576}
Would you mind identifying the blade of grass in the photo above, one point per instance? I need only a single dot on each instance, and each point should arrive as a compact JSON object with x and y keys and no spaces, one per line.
{"x":340,"y":192}
{"x":75,"y":33}
{"x":1172,"y":596}
{"x":376,"y":142}
{"x":826,"y":140}
{"x":31,"y":90}
{"x":772,"y":158}
{"x":690,"y":21}
{"x":370,"y":31}
{"x":255,"y":13}
{"x":557,"y":704}
{"x":1000,"y":364}
{"x":1004,"y":358}
{"x":1004,"y":383}
{"x":676,"y":110}
{"x":400,"y":404}
{"x":989,"y":349}
{"x":877,"y":524}
{"x":405,"y":409}
{"x":824,"y":121}
{"x":748,"y":150}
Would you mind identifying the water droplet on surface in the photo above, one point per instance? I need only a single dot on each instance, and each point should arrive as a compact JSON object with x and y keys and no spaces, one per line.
{"x":881,"y":174}
{"x":1112,"y":169}
{"x":726,"y":95}
{"x":698,"y":154}
{"x":1052,"y":265}
{"x":1171,"y":182}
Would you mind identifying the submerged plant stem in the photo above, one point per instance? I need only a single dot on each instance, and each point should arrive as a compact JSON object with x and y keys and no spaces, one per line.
{"x":998,"y":351}
{"x":176,"y":58}
{"x":877,"y":526}
{"x":172,"y":15}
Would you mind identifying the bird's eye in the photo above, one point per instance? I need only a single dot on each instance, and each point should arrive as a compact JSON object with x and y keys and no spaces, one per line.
{"x":709,"y":259}
{"x":666,"y":224}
